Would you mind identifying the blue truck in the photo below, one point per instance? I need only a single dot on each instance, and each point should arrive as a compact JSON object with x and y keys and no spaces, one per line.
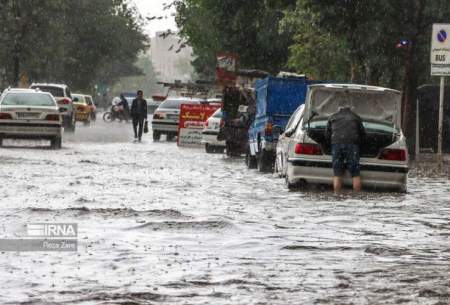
{"x":276,"y":100}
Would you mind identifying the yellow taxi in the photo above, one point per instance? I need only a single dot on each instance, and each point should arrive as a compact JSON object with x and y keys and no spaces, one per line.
{"x":82,"y":107}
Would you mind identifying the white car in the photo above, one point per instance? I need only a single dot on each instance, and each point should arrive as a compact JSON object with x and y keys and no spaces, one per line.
{"x":304,"y":153}
{"x":63,"y":97}
{"x":30,"y":114}
{"x":167,"y":116}
{"x":211,"y":131}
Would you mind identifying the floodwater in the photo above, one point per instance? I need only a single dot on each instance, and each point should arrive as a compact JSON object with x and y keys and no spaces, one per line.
{"x":160,"y":224}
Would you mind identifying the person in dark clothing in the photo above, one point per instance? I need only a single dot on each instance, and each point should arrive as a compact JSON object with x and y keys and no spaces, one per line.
{"x":346,"y":133}
{"x":139,"y":115}
{"x":126,"y":108}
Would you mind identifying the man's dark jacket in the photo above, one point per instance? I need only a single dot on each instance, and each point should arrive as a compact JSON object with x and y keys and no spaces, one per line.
{"x":345,"y":127}
{"x":139,"y":109}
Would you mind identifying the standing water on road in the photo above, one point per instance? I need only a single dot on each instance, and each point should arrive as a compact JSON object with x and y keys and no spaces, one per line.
{"x":159,"y":224}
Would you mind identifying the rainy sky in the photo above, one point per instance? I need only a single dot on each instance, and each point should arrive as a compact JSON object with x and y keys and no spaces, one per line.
{"x":155,"y":8}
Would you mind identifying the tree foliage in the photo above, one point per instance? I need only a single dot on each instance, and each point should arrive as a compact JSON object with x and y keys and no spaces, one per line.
{"x":250,"y":28}
{"x":79,"y":42}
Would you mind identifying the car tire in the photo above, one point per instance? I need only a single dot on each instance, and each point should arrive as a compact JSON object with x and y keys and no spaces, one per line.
{"x":170,"y":137}
{"x":56,"y":143}
{"x":209,"y":148}
{"x":156,"y":136}
{"x":290,"y":186}
{"x":264,"y":162}
{"x":250,"y":161}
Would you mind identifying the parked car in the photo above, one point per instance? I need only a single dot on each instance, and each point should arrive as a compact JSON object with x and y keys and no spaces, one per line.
{"x":83,"y":109}
{"x":30,"y":114}
{"x":384,"y":154}
{"x":211,"y":131}
{"x":276,"y":100}
{"x":152,"y":105}
{"x":93,"y":107}
{"x":63,"y":97}
{"x":167,"y":116}
{"x":285,"y":140}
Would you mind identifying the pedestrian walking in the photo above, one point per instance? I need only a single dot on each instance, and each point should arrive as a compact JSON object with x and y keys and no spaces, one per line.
{"x":346,"y":134}
{"x":139,"y":115}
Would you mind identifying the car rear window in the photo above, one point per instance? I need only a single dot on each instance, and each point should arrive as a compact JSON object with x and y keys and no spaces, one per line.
{"x":176,"y":104}
{"x":28,"y":99}
{"x":81,"y":99}
{"x":55,"y":91}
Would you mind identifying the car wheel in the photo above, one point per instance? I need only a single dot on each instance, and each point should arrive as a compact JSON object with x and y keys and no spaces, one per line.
{"x":170,"y":137}
{"x":250,"y":160}
{"x":264,"y":163}
{"x":56,"y":143}
{"x":156,"y":136}
{"x":209,"y":149}
{"x":290,"y":186}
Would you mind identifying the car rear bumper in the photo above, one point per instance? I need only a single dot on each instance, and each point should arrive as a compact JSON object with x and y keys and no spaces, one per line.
{"x":29,"y":130}
{"x":82,"y":116}
{"x":382,"y":176}
{"x":210,"y":137}
{"x":165,"y":126}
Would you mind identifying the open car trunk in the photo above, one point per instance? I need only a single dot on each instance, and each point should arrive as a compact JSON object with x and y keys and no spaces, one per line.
{"x":379,"y":108}
{"x":377,"y":138}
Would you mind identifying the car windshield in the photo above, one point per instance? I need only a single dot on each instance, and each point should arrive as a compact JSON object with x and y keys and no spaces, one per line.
{"x":28,"y":99}
{"x":370,"y":126}
{"x":176,"y":104}
{"x":55,"y":91}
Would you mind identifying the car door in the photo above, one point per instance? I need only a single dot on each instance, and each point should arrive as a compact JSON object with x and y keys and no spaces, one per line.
{"x":285,"y":139}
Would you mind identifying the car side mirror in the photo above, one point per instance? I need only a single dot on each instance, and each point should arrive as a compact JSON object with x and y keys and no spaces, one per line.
{"x":277,"y":129}
{"x":61,"y":109}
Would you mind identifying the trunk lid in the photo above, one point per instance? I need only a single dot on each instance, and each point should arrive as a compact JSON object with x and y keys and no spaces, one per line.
{"x":372,"y":104}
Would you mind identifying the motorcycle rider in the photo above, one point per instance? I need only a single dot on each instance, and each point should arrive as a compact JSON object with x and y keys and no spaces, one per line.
{"x":124,"y":103}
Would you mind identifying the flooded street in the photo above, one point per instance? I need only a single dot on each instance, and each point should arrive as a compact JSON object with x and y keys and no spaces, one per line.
{"x":158,"y":224}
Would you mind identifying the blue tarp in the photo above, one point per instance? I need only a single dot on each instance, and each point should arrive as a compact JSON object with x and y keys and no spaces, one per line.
{"x":279,"y":96}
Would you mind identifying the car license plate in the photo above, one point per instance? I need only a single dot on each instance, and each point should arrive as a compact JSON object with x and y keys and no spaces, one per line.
{"x":27,"y":115}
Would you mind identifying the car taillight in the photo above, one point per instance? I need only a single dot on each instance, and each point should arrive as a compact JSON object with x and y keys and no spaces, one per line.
{"x":268,"y":130}
{"x":307,"y":149}
{"x":5,"y":116}
{"x":222,"y":123}
{"x":206,"y":123}
{"x":52,"y":117}
{"x":64,"y":101}
{"x":393,"y":154}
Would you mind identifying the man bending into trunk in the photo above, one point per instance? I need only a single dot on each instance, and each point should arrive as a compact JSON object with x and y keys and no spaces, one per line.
{"x":346,"y":133}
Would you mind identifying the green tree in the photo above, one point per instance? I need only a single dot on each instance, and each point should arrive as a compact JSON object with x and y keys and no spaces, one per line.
{"x":79,"y":42}
{"x":250,"y":28}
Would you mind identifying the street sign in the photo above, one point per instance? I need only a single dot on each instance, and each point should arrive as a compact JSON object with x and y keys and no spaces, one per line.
{"x":440,"y":50}
{"x":192,"y":121}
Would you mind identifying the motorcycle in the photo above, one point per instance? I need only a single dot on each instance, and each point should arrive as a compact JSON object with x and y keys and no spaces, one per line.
{"x":116,"y":113}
